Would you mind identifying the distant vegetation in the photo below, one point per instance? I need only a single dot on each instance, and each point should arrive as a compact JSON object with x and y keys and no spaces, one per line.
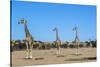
{"x":20,"y":45}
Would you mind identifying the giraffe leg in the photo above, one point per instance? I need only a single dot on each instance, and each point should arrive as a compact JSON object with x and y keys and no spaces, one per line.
{"x":59,"y":51}
{"x":27,"y":51}
{"x":77,"y":46}
{"x":59,"y":47}
{"x":30,"y":51}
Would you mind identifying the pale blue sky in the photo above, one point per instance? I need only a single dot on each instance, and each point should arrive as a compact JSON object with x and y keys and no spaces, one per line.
{"x":43,"y":17}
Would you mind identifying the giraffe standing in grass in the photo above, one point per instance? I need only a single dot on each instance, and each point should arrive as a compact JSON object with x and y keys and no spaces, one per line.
{"x":77,"y":41}
{"x":28,"y":39}
{"x":58,"y":41}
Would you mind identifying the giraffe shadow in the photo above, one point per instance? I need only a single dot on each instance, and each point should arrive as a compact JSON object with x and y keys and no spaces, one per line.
{"x":40,"y":58}
{"x":60,"y":56}
{"x":76,"y":54}
{"x":24,"y":58}
{"x":82,"y":59}
{"x":75,"y":59}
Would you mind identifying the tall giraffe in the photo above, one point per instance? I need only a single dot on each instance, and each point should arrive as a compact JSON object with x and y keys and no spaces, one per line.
{"x":77,"y":41}
{"x":28,"y":39}
{"x":58,"y":41}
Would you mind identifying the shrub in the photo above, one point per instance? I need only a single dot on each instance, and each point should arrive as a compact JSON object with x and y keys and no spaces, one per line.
{"x":71,"y":46}
{"x":81,"y":45}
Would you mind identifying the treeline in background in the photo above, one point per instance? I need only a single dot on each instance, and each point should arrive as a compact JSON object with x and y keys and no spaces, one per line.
{"x":20,"y":45}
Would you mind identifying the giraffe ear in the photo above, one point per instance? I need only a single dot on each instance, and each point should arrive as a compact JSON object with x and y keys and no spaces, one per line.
{"x":18,"y":22}
{"x":54,"y":29}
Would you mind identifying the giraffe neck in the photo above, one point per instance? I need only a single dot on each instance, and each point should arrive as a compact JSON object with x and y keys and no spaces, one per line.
{"x":27,"y":33}
{"x":76,"y":38}
{"x":57,"y":36}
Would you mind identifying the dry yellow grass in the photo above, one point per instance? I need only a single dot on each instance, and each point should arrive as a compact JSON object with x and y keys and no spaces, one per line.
{"x":49,"y":56}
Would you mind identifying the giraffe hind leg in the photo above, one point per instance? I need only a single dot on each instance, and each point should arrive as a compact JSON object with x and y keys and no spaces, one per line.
{"x":27,"y":51}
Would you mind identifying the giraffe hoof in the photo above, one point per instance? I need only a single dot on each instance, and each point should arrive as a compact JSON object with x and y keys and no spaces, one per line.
{"x":26,"y":58}
{"x":30,"y":58}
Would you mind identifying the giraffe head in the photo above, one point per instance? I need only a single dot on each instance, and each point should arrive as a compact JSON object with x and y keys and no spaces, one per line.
{"x":54,"y":29}
{"x":22,"y":21}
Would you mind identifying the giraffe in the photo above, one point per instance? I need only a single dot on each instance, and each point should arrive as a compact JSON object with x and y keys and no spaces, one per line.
{"x":58,"y":41}
{"x":77,"y":40}
{"x":28,"y":39}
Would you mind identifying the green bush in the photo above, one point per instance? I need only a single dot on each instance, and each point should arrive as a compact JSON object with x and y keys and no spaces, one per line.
{"x":81,"y":45}
{"x":71,"y":46}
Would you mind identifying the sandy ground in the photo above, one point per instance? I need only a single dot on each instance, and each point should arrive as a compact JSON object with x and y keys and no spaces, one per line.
{"x":41,"y":57}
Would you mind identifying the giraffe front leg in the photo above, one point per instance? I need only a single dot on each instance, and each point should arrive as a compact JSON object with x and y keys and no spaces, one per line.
{"x":27,"y":51}
{"x":30,"y":50}
{"x":77,"y":47}
{"x":30,"y":54}
{"x":58,"y":50}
